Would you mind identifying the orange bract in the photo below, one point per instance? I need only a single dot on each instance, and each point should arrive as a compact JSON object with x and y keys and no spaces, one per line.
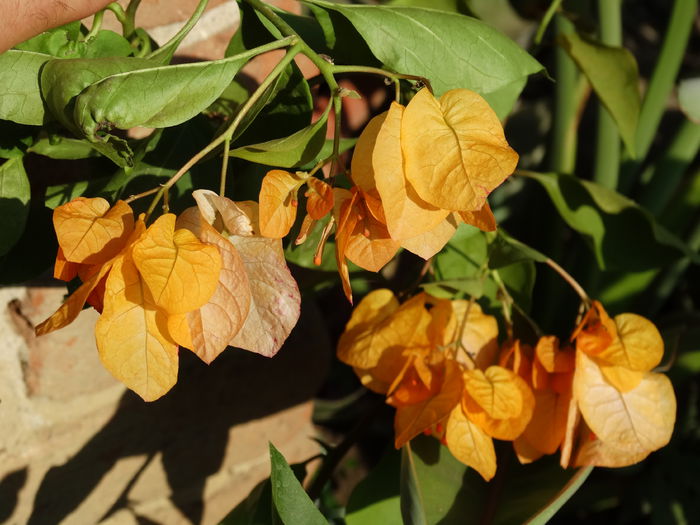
{"x":278,"y":203}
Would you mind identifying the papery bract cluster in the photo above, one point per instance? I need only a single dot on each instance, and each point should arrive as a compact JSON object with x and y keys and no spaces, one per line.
{"x":204,"y":281}
{"x":439,"y":363}
{"x":418,"y":172}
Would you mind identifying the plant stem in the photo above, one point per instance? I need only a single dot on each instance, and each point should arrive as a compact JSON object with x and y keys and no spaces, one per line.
{"x":325,"y":67}
{"x":607,"y":157}
{"x":553,"y":7}
{"x":381,"y":72}
{"x":123,"y":18}
{"x":669,"y":170}
{"x":224,"y":166}
{"x":228,"y":133}
{"x":562,"y":157}
{"x":96,"y":25}
{"x":182,"y":33}
{"x":570,"y":280}
{"x":661,"y":84}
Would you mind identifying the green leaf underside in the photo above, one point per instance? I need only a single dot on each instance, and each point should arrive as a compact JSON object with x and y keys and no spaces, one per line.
{"x":290,"y":499}
{"x":621,"y":233}
{"x":613,"y":73}
{"x":451,"y":50}
{"x":20,"y":97}
{"x":288,"y":152}
{"x":14,"y":202}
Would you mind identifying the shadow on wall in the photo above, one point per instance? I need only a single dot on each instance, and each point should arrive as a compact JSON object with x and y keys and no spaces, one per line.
{"x":189,"y":426}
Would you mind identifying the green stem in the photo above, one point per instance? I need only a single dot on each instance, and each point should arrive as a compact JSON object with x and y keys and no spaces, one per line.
{"x":325,"y":67}
{"x":338,"y":117}
{"x":382,"y":72}
{"x":96,"y":25}
{"x":123,"y":18}
{"x":669,"y":170}
{"x":224,"y":166}
{"x":169,"y":47}
{"x":553,"y":7}
{"x":228,"y":133}
{"x":131,"y":12}
{"x":607,"y":157}
{"x":562,"y":157}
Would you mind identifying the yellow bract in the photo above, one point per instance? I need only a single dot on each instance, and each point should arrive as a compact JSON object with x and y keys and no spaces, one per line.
{"x":435,"y":360}
{"x":470,"y":444}
{"x":132,"y":336}
{"x":419,"y":172}
{"x":89,"y":231}
{"x":204,"y":281}
{"x":278,"y":203}
{"x":454,"y":149}
{"x":180,"y":272}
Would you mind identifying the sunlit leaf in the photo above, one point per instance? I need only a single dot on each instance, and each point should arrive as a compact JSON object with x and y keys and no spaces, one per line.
{"x":495,"y":391}
{"x":20,"y":99}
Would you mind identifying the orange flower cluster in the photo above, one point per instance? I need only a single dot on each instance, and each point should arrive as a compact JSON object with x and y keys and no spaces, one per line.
{"x":197,"y":281}
{"x":418,"y":172}
{"x":439,"y":363}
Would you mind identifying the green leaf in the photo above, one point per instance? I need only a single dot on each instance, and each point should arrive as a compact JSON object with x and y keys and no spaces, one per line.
{"x":63,"y":80}
{"x":33,"y":253}
{"x":290,"y":499}
{"x":613,"y":73}
{"x":548,"y":511}
{"x":288,"y":152}
{"x":412,"y":505}
{"x":20,"y":97}
{"x":621,"y":234}
{"x":447,"y":289}
{"x":285,"y":107}
{"x":15,"y":139}
{"x":454,"y":494}
{"x":519,"y":279}
{"x":106,"y":44}
{"x":62,"y":148}
{"x":505,"y":250}
{"x":255,"y":509}
{"x":375,"y":500}
{"x":55,"y":41}
{"x":463,"y":256}
{"x":689,"y":98}
{"x":14,"y":202}
{"x":156,"y":97}
{"x":451,"y":50}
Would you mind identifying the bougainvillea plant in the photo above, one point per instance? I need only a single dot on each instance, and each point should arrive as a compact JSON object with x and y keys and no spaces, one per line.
{"x":201,"y":194}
